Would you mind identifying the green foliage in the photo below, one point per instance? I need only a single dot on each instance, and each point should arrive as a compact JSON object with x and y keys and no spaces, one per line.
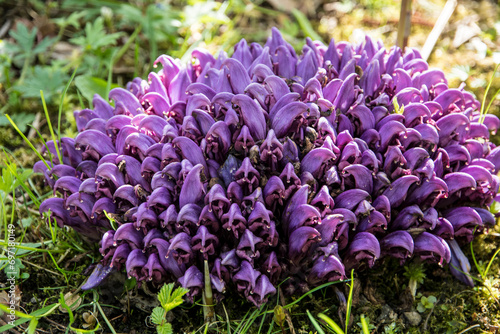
{"x":89,"y":86}
{"x":8,"y":180}
{"x":391,"y":328}
{"x":95,"y":36}
{"x":25,"y":47}
{"x":365,"y":325}
{"x":169,"y":299}
{"x":426,"y":303}
{"x":22,"y":120}
{"x":47,"y":78}
{"x":415,"y":272}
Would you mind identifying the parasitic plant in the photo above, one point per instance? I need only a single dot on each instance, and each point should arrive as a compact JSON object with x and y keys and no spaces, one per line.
{"x":271,"y":164}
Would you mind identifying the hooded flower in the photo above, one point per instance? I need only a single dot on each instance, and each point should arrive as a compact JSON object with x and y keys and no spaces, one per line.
{"x":271,"y":164}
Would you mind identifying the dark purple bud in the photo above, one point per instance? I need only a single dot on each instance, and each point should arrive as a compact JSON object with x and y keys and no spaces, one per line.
{"x":129,"y":234}
{"x":359,"y":177}
{"x":443,"y":229}
{"x":187,"y":219}
{"x":374,"y":223}
{"x":246,"y":278}
{"x":190,"y":151}
{"x":303,"y":215}
{"x":350,"y":199}
{"x":218,"y":141}
{"x":252,"y":115}
{"x":120,"y":256}
{"x":335,"y":227}
{"x":193,"y":189}
{"x":98,"y":275}
{"x":180,"y":248}
{"x":145,"y":218}
{"x":290,"y":180}
{"x":323,"y":201}
{"x":301,"y":242}
{"x":101,"y":205}
{"x":217,"y":201}
{"x":192,"y":280}
{"x":132,"y":171}
{"x":362,"y":118}
{"x":397,"y":244}
{"x":431,"y":248}
{"x":289,"y":119}
{"x":397,"y":191}
{"x":234,"y":221}
{"x":247,"y":176}
{"x":204,"y":242}
{"x":67,"y":185}
{"x":351,"y":154}
{"x":80,"y":205}
{"x":153,"y":270}
{"x":345,"y":96}
{"x":317,"y":162}
{"x":327,"y":268}
{"x":271,"y":150}
{"x":263,"y":289}
{"x":486,"y":217}
{"x":459,"y":264}
{"x":136,"y":260}
{"x":452,"y":127}
{"x":247,"y":247}
{"x":272,"y":267}
{"x":464,"y":220}
{"x":364,"y":248}
{"x":285,"y":100}
{"x":274,"y":192}
{"x":168,"y":263}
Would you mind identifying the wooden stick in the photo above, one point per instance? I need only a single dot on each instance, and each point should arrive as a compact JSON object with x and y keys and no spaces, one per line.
{"x":404,"y":24}
{"x":441,"y":22}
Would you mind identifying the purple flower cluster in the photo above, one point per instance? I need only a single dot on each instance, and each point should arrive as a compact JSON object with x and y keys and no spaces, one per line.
{"x":270,"y":164}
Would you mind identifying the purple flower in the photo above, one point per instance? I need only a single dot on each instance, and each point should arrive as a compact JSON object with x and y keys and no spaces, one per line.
{"x":269,"y":163}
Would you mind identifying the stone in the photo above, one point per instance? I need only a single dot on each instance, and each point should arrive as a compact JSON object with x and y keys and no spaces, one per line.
{"x":414,"y":318}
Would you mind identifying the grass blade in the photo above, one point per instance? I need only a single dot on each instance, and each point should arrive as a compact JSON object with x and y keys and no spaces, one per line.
{"x":61,"y":104}
{"x":309,"y":292}
{"x":331,"y":323}
{"x":28,"y":141}
{"x":315,"y":323}
{"x":490,"y":263}
{"x":49,"y":123}
{"x":349,"y":301}
{"x":364,"y":325}
{"x":482,"y":113}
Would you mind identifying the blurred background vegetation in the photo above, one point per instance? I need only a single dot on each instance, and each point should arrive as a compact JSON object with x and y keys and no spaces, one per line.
{"x":105,"y":43}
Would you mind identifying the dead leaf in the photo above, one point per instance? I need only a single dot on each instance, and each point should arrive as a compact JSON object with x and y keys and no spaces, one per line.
{"x":72,"y":300}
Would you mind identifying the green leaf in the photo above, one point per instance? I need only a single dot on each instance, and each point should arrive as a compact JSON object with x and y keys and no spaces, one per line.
{"x":72,"y":20}
{"x":24,"y":38}
{"x":432,"y":300}
{"x":420,"y":308}
{"x":95,"y":36}
{"x":166,"y":328}
{"x":170,"y":300}
{"x":158,"y":316}
{"x":89,"y":86}
{"x":44,"y":45}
